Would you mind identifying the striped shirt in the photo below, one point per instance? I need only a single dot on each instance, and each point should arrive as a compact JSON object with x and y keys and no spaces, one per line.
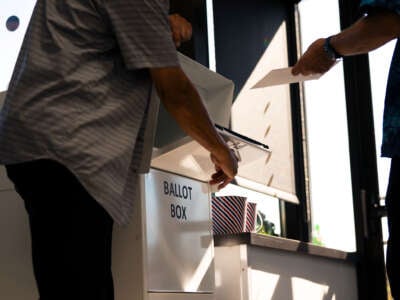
{"x":80,"y":93}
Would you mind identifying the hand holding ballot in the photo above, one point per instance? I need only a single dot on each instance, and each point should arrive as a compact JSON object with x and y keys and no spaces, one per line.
{"x":319,"y":58}
{"x":316,"y":60}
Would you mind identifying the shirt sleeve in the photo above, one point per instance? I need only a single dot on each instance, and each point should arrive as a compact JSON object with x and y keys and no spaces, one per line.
{"x":143,"y":32}
{"x":367,"y":6}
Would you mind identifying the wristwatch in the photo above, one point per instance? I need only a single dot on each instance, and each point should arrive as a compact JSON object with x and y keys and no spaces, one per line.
{"x":330,"y":51}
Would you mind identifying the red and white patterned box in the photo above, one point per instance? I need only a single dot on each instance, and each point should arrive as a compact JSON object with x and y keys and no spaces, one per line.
{"x":232,"y":214}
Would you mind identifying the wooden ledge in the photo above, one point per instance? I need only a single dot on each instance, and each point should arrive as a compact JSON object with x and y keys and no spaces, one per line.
{"x":278,"y":243}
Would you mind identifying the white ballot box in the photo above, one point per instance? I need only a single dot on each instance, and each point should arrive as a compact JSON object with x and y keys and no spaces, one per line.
{"x":166,"y":252}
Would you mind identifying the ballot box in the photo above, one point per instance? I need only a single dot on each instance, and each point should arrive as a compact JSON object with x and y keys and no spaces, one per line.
{"x":166,"y":252}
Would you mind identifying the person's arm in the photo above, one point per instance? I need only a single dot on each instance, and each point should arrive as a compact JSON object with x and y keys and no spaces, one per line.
{"x":365,"y":35}
{"x":182,"y":101}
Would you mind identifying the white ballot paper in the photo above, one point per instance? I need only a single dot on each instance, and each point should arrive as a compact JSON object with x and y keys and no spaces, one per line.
{"x":283,"y":76}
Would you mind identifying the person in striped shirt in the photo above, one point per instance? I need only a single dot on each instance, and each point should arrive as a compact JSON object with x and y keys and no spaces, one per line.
{"x":74,"y":124}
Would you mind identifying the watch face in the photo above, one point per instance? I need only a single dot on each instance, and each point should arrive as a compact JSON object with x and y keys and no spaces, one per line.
{"x":14,"y":19}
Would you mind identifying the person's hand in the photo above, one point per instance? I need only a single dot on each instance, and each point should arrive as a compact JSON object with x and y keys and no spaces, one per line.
{"x":314,"y":61}
{"x":181,"y":29}
{"x":226,"y":165}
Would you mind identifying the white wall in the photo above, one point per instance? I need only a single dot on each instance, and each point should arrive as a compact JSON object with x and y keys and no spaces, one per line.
{"x":256,"y":273}
{"x":16,"y":274}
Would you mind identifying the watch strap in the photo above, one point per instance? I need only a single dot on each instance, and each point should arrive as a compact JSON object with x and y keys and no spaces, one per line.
{"x":330,"y":51}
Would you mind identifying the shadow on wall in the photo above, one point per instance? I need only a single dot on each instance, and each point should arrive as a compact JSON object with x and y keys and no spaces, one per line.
{"x":283,"y":292}
{"x":16,"y":271}
{"x":303,"y":275}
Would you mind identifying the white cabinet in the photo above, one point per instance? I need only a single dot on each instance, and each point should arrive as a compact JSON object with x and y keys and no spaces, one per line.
{"x":167,"y":250}
{"x":254,"y":272}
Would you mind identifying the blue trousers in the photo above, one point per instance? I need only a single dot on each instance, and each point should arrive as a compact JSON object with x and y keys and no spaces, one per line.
{"x":71,"y":233}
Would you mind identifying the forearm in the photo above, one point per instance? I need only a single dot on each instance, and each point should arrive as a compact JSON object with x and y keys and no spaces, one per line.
{"x":367,"y":34}
{"x":183,"y":102}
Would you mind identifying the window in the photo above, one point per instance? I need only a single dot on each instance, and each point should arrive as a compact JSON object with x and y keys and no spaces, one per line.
{"x":327,"y":137}
{"x":379,"y":69}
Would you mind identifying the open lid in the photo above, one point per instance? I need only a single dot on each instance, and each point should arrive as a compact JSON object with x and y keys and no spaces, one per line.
{"x":186,"y":157}
{"x":265,"y":114}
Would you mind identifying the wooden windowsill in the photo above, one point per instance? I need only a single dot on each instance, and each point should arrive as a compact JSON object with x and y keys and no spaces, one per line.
{"x":278,"y":243}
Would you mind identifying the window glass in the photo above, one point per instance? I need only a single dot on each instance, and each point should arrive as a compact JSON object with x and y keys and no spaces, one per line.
{"x":379,"y":61}
{"x":327,"y":137}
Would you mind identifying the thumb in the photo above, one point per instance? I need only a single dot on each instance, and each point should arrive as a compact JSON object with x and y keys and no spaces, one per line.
{"x":295,"y":70}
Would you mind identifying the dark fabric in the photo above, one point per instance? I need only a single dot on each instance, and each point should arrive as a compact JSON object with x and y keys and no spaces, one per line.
{"x":393,"y":248}
{"x":71,"y":233}
{"x":368,"y":6}
{"x":391,"y":117}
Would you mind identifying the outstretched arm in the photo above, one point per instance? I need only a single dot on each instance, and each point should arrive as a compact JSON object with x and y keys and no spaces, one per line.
{"x":368,"y":33}
{"x":182,"y":101}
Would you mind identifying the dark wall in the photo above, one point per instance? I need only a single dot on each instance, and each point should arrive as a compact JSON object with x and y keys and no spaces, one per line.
{"x":195,"y":12}
{"x":243,"y":31}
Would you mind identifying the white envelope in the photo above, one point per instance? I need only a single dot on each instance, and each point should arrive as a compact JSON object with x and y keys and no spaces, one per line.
{"x":283,"y":76}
